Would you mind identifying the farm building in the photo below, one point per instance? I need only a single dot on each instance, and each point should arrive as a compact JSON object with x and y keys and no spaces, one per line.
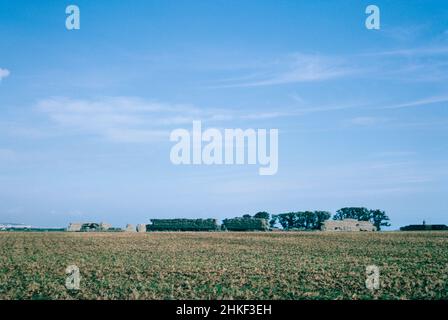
{"x":348,"y":225}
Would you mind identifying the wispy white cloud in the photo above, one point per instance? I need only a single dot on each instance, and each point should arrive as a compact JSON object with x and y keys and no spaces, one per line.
{"x":4,"y":73}
{"x":405,"y":33}
{"x":131,"y":119}
{"x":418,"y":102}
{"x":411,"y":64}
{"x":295,"y":68}
{"x":419,"y":51}
{"x":408,"y":64}
{"x":119,"y":119}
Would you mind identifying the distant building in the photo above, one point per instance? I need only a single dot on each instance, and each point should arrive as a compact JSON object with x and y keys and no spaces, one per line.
{"x":424,"y":227}
{"x":348,"y":225}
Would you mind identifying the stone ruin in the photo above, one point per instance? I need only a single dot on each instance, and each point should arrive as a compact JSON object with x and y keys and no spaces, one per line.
{"x":348,"y":225}
{"x":105,"y":226}
{"x":74,"y":226}
{"x":88,"y":226}
{"x":130,"y":228}
{"x":141,"y":227}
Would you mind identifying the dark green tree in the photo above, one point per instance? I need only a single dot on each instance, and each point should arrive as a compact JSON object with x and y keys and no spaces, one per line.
{"x":310,"y":220}
{"x":358,"y":213}
{"x":262,"y":215}
{"x":247,"y":216}
{"x":379,"y":219}
{"x":321,"y":216}
{"x":287,"y":220}
{"x":304,"y":220}
{"x":300,"y":220}
{"x":273,"y":221}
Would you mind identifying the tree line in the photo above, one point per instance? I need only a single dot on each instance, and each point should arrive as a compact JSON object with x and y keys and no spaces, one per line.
{"x":313,"y":220}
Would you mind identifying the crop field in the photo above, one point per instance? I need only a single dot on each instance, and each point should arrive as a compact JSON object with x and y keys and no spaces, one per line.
{"x":224,"y":265}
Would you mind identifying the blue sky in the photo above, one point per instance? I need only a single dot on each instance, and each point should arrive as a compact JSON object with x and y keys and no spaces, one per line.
{"x":85,"y":115}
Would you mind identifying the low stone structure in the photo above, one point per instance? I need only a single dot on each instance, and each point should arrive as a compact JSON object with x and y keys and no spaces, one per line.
{"x":105,"y":226}
{"x":130,"y":228}
{"x":88,"y":226}
{"x":141,"y":227}
{"x":348,"y":225}
{"x":74,"y":226}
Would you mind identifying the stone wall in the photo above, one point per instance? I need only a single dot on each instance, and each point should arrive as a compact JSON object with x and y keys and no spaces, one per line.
{"x":105,"y":226}
{"x":74,"y":226}
{"x":141,"y":227}
{"x":130,"y":228}
{"x":348,"y":225}
{"x":88,"y":226}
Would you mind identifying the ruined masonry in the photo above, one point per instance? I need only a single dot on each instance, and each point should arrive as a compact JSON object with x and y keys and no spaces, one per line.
{"x":348,"y":225}
{"x":74,"y":227}
{"x":105,"y":226}
{"x":130,"y":228}
{"x":88,"y":226}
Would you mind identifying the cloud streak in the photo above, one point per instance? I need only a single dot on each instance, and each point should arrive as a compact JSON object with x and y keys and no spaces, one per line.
{"x":409,"y":64}
{"x":296,"y":68}
{"x":426,"y":51}
{"x":4,"y":73}
{"x":131,"y":119}
{"x":118,"y":119}
{"x":419,"y":102}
